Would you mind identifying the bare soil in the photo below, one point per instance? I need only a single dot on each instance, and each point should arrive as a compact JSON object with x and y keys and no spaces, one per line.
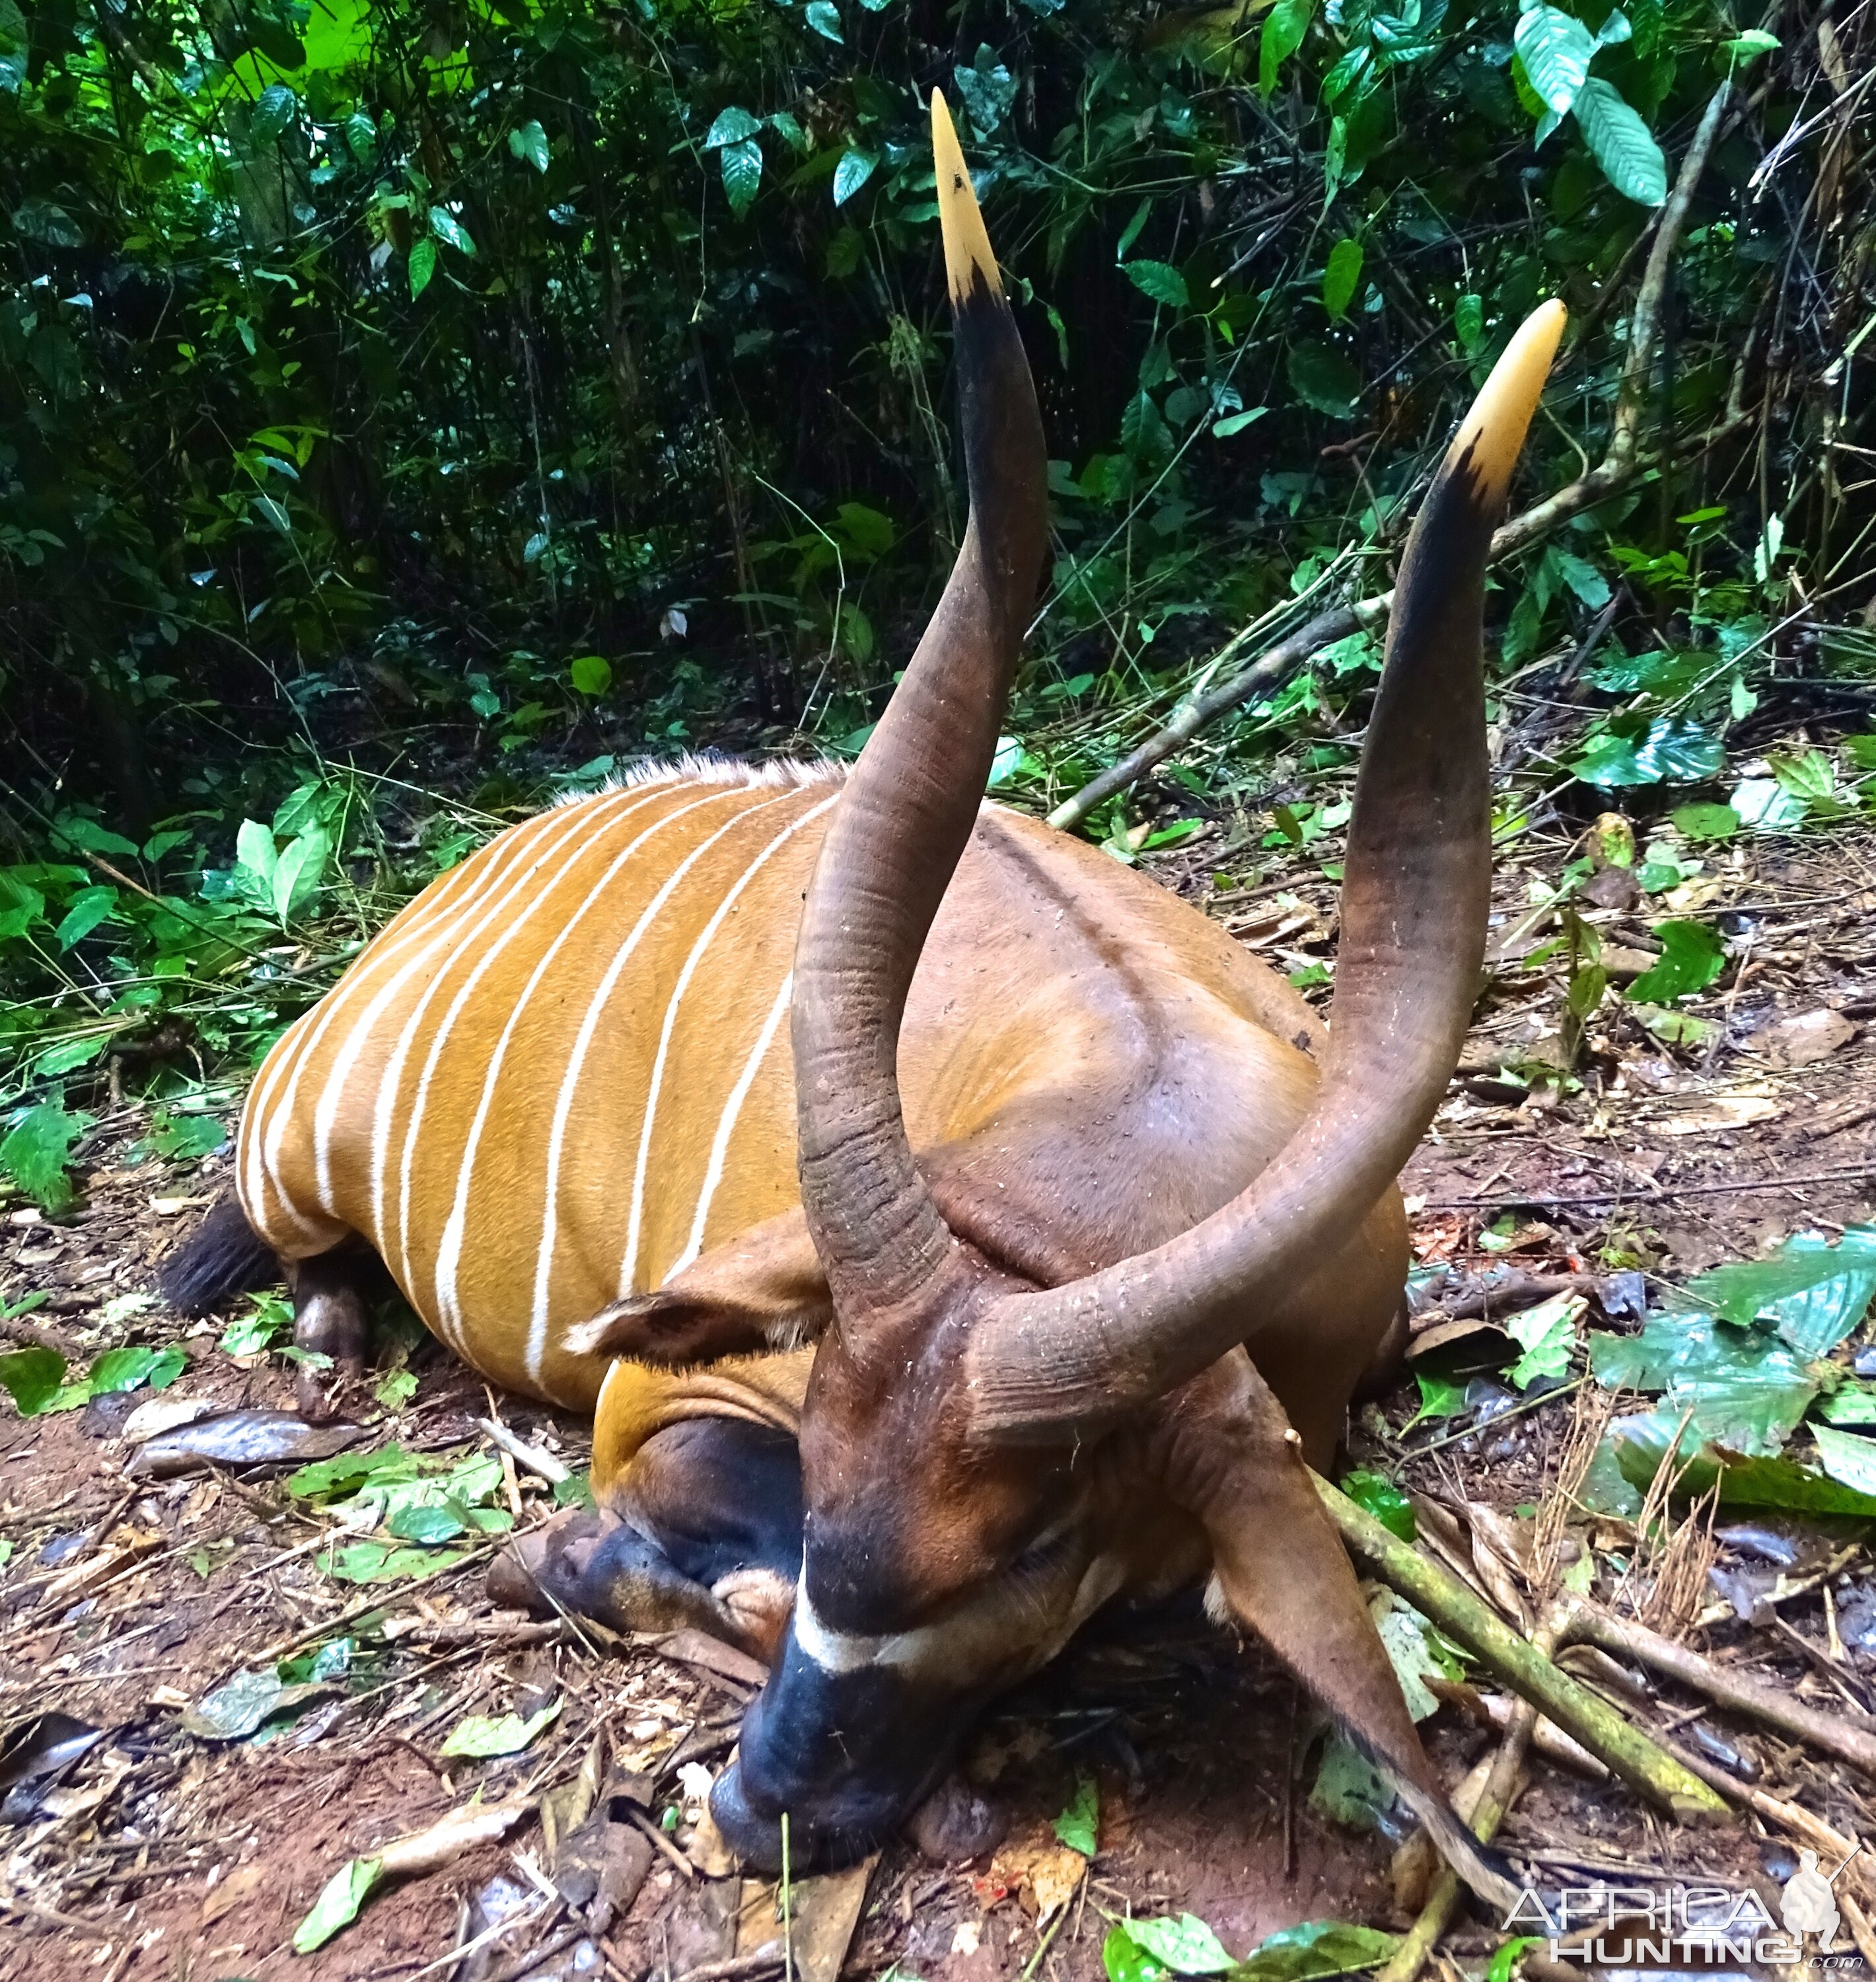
{"x":172,"y":1856}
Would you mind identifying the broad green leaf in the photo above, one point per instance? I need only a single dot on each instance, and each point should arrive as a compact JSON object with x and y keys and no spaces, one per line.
{"x":1341,"y":277}
{"x":1847,"y":1459}
{"x":1403,"y":1633}
{"x":1744,"y":1390}
{"x":395,"y":1389}
{"x":1469,"y":322}
{"x":1123,"y":1960}
{"x":1079,"y":1826}
{"x":1440,"y":1397}
{"x":1624,"y":146}
{"x":1348,"y":1789}
{"x":1702,"y":822}
{"x":855,"y":169}
{"x":362,"y":137}
{"x":1673,"y":749}
{"x":742,"y":173}
{"x":1748,"y":47}
{"x":988,"y":88}
{"x":1284,"y":27}
{"x":296,"y":875}
{"x":1187,"y":1945}
{"x":1160,"y":280}
{"x":1323,"y":380}
{"x":529,"y":143}
{"x":1316,"y":1948}
{"x":255,"y":856}
{"x":422,"y":266}
{"x":125,"y":1369}
{"x":450,"y":231}
{"x":1641,"y":1444}
{"x":824,"y":17}
{"x":373,"y":1562}
{"x":272,"y":113}
{"x":1235,"y":423}
{"x":1505,"y":1958}
{"x":337,"y":1905}
{"x":185,"y":1138}
{"x":250,"y":1334}
{"x":36,"y":1150}
{"x":731,"y":127}
{"x":590,"y":674}
{"x":480,"y":1737}
{"x":430,"y":1526}
{"x":1817,"y":1293}
{"x":1379,"y":1494}
{"x":331,"y":1479}
{"x":1556,"y":50}
{"x":31,"y":1377}
{"x":88,"y":907}
{"x":1546,"y":1334}
{"x":1692,"y":957}
{"x":238,"y":1708}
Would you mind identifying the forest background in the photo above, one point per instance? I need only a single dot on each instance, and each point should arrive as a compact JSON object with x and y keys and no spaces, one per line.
{"x":410,"y":412}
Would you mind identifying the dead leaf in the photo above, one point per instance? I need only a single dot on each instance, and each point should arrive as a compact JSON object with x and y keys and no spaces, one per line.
{"x":708,"y":1850}
{"x":1718,"y":1113}
{"x":162,"y":1414}
{"x":451,"y":1836}
{"x":1799,"y":1041}
{"x":238,"y":1887}
{"x":823,"y":1913}
{"x":1042,"y":1873}
{"x":698,"y":1648}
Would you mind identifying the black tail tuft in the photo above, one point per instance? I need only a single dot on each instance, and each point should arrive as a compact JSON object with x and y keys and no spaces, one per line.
{"x":224,"y":1255}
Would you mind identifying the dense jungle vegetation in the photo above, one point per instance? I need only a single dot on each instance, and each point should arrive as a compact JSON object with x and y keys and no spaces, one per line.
{"x":407,"y":412}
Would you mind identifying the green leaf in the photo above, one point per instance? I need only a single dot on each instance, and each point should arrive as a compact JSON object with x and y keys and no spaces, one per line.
{"x":1380,"y":1497}
{"x":422,"y":266}
{"x":1440,"y":1397}
{"x":1624,"y":146}
{"x":236,"y":1710}
{"x":1079,"y":1826}
{"x":1403,"y":1633}
{"x":1848,"y":1459}
{"x":574,"y":1491}
{"x":31,"y":1377}
{"x":250,"y":1334}
{"x":372,"y":1561}
{"x":88,"y":907}
{"x":1123,"y":1960}
{"x":1742,"y":1389}
{"x":855,"y":169}
{"x":1323,"y":380}
{"x":1641,"y":1444}
{"x":296,"y":874}
{"x":1284,"y":27}
{"x":430,"y":1526}
{"x":1348,"y":1788}
{"x":1700,"y":823}
{"x":1818,"y":1293}
{"x":125,"y":1369}
{"x":1314,"y":1949}
{"x":362,"y":137}
{"x":450,"y":231}
{"x":731,"y":127}
{"x":480,"y":1737}
{"x":742,"y":173}
{"x":1547,"y":1333}
{"x":1508,"y":1954}
{"x":395,"y":1389}
{"x":337,"y":1905}
{"x":272,"y":113}
{"x":331,"y":1479}
{"x":1186,"y":1946}
{"x":185,"y":1138}
{"x":1692,"y":957}
{"x":824,"y":17}
{"x":1235,"y":423}
{"x":1160,"y":280}
{"x":1341,"y":277}
{"x":988,"y":88}
{"x":1673,"y":750}
{"x":590,"y":674}
{"x":529,"y":143}
{"x":1556,"y":50}
{"x":1748,"y":47}
{"x":1469,"y":322}
{"x":36,"y":1150}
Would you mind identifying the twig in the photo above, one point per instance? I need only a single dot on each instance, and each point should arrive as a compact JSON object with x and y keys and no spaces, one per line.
{"x":660,"y":1842}
{"x":1614,"y":472}
{"x":543,"y":1465}
{"x":1641,"y":1763}
{"x":525,"y":1964}
{"x":1849,"y":1173}
{"x":1622,"y":1637}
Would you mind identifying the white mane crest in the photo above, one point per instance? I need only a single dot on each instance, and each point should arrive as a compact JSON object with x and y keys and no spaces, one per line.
{"x":707,"y":768}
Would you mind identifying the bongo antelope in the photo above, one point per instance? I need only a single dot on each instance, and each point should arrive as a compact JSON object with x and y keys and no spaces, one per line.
{"x":949,"y":1231}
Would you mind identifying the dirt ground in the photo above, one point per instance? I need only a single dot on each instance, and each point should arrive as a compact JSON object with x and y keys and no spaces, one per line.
{"x":160,"y":1854}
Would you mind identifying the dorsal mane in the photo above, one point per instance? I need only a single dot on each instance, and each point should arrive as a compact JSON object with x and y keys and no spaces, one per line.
{"x":708,"y":768}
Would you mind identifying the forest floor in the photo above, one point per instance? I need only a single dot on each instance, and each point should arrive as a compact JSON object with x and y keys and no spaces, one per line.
{"x":151,"y":1851}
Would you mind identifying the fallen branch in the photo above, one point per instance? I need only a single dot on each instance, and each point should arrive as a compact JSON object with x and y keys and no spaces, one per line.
{"x":1641,"y":1762}
{"x":1620,"y":1637}
{"x":1616,"y":469}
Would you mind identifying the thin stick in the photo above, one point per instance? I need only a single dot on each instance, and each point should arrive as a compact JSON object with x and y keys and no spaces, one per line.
{"x":1849,"y":1174}
{"x":1641,"y":1763}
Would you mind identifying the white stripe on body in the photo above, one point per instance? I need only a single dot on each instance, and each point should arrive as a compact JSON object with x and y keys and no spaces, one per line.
{"x":579,"y":824}
{"x":260,"y":1158}
{"x":726,"y":1124}
{"x":563,"y":1107}
{"x":449,"y":1253}
{"x":629,"y":1270}
{"x":442,"y":928}
{"x":439,"y":1038}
